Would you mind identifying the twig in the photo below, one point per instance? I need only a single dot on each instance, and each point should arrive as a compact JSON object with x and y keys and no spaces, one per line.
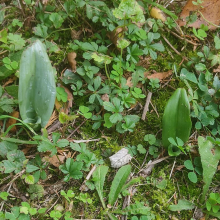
{"x":189,"y":41}
{"x":146,"y":107}
{"x":85,"y":141}
{"x":145,"y":158}
{"x":53,"y":205}
{"x":7,"y":192}
{"x":172,"y":168}
{"x":171,"y":46}
{"x":154,"y":109}
{"x":87,"y":177}
{"x":76,"y":129}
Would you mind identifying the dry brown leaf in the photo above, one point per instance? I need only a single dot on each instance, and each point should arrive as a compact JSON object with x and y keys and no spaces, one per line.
{"x":71,"y":59}
{"x":12,"y":121}
{"x":53,"y":118}
{"x":55,"y":161}
{"x":10,"y":80}
{"x":105,"y":97}
{"x":210,"y":10}
{"x":58,"y":105}
{"x":160,"y":76}
{"x":75,"y":34}
{"x":69,"y":97}
{"x":129,"y":82}
{"x":44,"y":2}
{"x":157,"y":13}
{"x":116,"y":34}
{"x":65,"y":107}
{"x":217,"y":70}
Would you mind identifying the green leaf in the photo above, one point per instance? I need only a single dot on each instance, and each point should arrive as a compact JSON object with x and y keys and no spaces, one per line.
{"x":188,"y":164}
{"x":133,"y":53}
{"x":129,"y":9}
{"x":115,"y":118}
{"x":141,"y":149}
{"x":29,"y":179}
{"x":37,"y":90}
{"x":109,"y":106}
{"x":118,"y":182}
{"x":209,"y":158}
{"x":45,"y":146}
{"x":150,"y":138}
{"x":185,"y":74}
{"x":32,"y":211}
{"x":61,"y":94}
{"x":55,"y":214}
{"x":4,"y":195}
{"x":176,"y":120}
{"x":16,"y":41}
{"x":62,"y":143}
{"x":24,"y":210}
{"x":136,"y":209}
{"x":107,"y":123}
{"x":31,"y":168}
{"x":200,"y":67}
{"x":182,"y":205}
{"x":6,"y":147}
{"x":3,"y":35}
{"x":41,"y":31}
{"x":123,"y":43}
{"x":56,"y":19}
{"x":217,"y":42}
{"x":192,"y":177}
{"x":72,"y":169}
{"x":99,"y":174}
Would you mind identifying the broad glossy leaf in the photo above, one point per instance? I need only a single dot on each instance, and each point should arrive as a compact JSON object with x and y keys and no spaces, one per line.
{"x":37,"y":90}
{"x":176,"y":118}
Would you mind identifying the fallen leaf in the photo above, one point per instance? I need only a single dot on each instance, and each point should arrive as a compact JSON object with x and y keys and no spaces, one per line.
{"x":75,"y":34}
{"x":65,"y":107}
{"x":129,"y":82}
{"x":210,"y":10}
{"x":116,"y":34}
{"x":10,"y":80}
{"x":160,"y":76}
{"x":217,"y":70}
{"x":69,"y":97}
{"x":71,"y":59}
{"x":157,"y":13}
{"x":105,"y":97}
{"x":55,"y":161}
{"x":12,"y":121}
{"x":44,"y":2}
{"x":53,"y":118}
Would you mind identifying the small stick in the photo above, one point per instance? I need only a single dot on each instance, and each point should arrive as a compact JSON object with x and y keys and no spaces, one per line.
{"x":146,"y":107}
{"x":76,"y":129}
{"x":171,"y":46}
{"x":189,"y":41}
{"x":172,"y":168}
{"x":87,"y":177}
{"x":154,"y":109}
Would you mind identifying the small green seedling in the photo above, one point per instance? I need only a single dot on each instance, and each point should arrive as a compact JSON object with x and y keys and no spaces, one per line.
{"x":61,"y":94}
{"x":83,"y":110}
{"x":196,"y":168}
{"x":11,"y":65}
{"x":213,"y":203}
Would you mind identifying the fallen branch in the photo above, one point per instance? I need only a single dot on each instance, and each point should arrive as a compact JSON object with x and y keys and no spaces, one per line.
{"x":146,"y":107}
